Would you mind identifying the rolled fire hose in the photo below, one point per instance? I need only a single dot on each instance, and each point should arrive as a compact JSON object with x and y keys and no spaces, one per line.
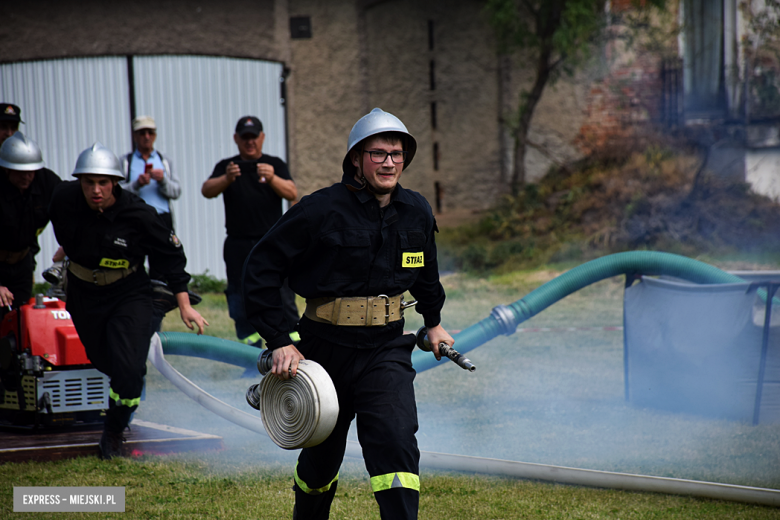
{"x":299,"y":412}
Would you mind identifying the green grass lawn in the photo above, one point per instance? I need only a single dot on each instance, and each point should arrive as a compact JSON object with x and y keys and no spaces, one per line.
{"x":545,"y":397}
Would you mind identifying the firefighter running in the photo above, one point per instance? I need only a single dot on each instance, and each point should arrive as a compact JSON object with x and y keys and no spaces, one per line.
{"x":106,"y":233}
{"x":352,"y":250}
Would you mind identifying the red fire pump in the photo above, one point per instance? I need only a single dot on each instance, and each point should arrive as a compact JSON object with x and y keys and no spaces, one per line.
{"x":45,"y":376}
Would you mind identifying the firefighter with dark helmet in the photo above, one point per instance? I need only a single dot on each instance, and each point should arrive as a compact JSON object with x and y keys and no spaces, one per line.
{"x":106,"y":233}
{"x":26,"y":189}
{"x":352,"y":250}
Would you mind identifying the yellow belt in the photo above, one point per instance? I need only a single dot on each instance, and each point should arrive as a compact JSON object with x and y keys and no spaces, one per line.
{"x":100,"y":276}
{"x":357,"y":311}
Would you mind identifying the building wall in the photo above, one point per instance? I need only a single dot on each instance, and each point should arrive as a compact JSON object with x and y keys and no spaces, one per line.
{"x":362,"y":54}
{"x":324,"y":72}
{"x":44,"y":29}
{"x":377,"y":54}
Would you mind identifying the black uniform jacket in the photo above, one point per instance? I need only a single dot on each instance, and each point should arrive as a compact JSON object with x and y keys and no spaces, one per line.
{"x":339,"y":242}
{"x":23,"y":216}
{"x":120,"y":237}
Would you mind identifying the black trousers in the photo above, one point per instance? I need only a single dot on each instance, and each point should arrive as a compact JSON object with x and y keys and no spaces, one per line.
{"x":234,"y":253}
{"x":18,"y":278}
{"x":114,"y":325}
{"x":158,"y":314}
{"x":377,"y":387}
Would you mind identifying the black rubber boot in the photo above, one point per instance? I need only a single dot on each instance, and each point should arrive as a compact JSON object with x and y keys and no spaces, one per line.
{"x":117,"y":419}
{"x":111,"y":445}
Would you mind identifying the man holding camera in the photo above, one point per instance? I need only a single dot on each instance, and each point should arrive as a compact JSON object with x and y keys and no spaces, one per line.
{"x":149,"y":174}
{"x":253,"y":185}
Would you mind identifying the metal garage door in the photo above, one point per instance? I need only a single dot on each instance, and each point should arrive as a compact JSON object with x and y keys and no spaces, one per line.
{"x":196,"y":100}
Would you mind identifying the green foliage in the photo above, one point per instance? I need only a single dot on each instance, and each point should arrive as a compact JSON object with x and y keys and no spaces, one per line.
{"x":766,"y":90}
{"x":555,"y":37}
{"x":655,"y":155}
{"x":474,"y":258}
{"x":206,"y":283}
{"x":563,"y":27}
{"x":761,"y":43}
{"x":41,"y":288}
{"x":602,"y":207}
{"x":568,"y":252}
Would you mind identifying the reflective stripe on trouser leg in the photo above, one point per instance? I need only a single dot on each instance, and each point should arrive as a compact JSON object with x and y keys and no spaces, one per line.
{"x":386,"y":425}
{"x":117,"y":399}
{"x":309,"y":491}
{"x":313,"y":503}
{"x":395,"y":480}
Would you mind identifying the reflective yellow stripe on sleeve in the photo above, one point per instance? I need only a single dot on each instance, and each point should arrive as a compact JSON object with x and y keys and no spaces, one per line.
{"x":125,"y":402}
{"x":395,"y":480}
{"x":309,"y":491}
{"x":251,"y":340}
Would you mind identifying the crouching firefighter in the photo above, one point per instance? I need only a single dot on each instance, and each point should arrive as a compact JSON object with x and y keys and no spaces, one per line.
{"x":352,"y":250}
{"x":106,"y":233}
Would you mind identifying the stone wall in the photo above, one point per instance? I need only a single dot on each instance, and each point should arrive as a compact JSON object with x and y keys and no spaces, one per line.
{"x":47,"y":29}
{"x":621,"y":106}
{"x":401,"y":55}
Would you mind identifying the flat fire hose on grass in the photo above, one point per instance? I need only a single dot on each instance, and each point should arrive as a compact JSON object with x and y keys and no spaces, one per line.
{"x":186,"y":344}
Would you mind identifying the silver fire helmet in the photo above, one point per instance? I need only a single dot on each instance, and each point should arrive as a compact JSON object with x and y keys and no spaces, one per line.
{"x":98,"y":160}
{"x":21,"y":154}
{"x":377,"y":122}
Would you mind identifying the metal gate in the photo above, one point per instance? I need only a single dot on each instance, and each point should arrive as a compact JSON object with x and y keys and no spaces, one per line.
{"x":69,"y":104}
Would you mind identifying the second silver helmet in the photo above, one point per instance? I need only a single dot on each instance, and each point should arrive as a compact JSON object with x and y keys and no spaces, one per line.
{"x":98,"y":160}
{"x":20,"y":153}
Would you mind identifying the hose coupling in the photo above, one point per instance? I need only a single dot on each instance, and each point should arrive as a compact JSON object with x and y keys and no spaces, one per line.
{"x":265,"y":362}
{"x":505,"y":319}
{"x":253,"y":396}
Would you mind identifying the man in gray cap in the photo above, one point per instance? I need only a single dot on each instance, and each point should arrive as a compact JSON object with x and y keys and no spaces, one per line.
{"x":10,"y":117}
{"x":150,"y":175}
{"x":26,"y":189}
{"x":352,"y":250}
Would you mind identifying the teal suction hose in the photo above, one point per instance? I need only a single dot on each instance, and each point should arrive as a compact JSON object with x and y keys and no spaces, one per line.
{"x":209,"y":347}
{"x":505,"y":319}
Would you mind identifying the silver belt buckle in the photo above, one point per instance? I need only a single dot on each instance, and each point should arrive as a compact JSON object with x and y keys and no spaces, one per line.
{"x":387,"y":307}
{"x":95,"y":273}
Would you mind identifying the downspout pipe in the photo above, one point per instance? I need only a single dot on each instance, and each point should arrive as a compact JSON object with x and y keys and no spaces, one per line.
{"x":504,"y":319}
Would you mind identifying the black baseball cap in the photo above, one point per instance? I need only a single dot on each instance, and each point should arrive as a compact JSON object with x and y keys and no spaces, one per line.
{"x":249,"y":125}
{"x":9,"y":112}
